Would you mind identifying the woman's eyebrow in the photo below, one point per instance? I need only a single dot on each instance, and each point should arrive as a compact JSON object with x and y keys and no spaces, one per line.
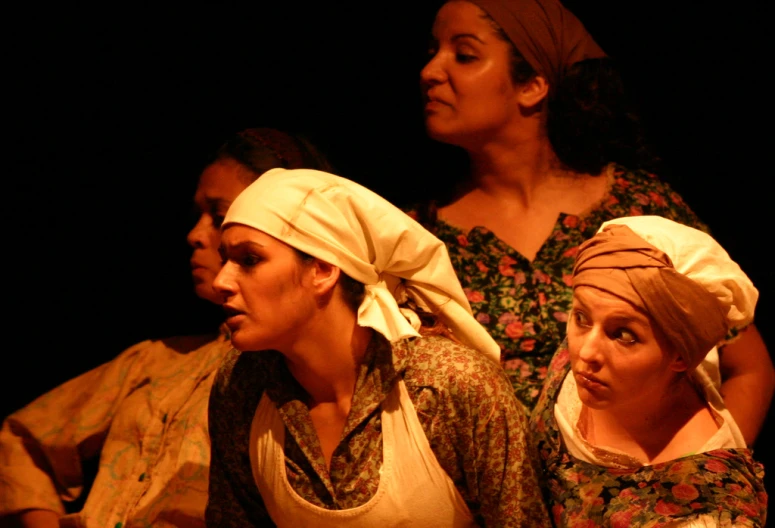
{"x":461,"y":36}
{"x":240,"y":246}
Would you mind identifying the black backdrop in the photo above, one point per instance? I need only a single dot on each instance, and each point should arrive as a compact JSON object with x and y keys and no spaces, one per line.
{"x":109,"y":111}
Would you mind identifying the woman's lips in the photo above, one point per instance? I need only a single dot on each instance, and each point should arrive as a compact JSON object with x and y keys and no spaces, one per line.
{"x":589,"y":381}
{"x":232,"y":315}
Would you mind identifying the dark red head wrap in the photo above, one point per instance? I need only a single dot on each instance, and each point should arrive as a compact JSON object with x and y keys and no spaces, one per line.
{"x":549,"y":36}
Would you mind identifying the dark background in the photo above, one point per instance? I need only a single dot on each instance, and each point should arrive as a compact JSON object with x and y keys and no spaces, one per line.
{"x":109,"y":112}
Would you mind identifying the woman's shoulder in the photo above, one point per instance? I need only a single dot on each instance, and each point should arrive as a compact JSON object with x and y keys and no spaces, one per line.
{"x":444,"y":364}
{"x":168,"y":358}
{"x":639,"y":180}
{"x":636,"y":192}
{"x":240,"y":372}
{"x":236,"y":391}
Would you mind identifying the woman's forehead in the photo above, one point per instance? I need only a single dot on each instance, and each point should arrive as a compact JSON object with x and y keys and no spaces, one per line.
{"x":459,"y":18}
{"x":236,"y":234}
{"x":596,"y":298}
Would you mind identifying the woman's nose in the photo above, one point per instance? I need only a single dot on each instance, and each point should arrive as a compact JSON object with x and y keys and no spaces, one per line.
{"x":432,"y":73}
{"x":196,"y":238}
{"x":224,"y":283}
{"x":590,"y":347}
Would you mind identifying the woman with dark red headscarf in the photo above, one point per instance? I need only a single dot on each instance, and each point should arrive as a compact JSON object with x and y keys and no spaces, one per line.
{"x":553,"y":150}
{"x":631,"y":428}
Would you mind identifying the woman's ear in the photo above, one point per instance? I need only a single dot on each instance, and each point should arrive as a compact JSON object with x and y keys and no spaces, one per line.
{"x":678,"y":364}
{"x":324,"y":277}
{"x":533,"y":92}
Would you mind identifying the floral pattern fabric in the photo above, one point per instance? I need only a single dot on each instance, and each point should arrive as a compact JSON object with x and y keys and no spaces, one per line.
{"x":523,"y":304}
{"x":474,"y":424}
{"x":724,"y":487}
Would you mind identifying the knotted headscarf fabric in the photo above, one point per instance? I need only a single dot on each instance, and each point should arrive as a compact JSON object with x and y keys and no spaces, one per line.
{"x":546,"y":34}
{"x":618,"y":261}
{"x":345,"y":224}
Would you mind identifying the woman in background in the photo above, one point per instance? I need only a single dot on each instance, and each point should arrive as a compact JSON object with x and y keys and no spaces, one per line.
{"x":553,"y":151}
{"x":142,"y":414}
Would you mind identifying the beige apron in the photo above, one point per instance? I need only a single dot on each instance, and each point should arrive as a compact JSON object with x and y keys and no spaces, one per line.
{"x":413,"y":490}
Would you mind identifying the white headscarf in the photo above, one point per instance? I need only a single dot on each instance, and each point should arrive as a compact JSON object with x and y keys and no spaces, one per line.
{"x":345,"y":224}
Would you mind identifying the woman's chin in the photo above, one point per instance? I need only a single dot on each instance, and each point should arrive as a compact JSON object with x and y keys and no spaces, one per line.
{"x":243,"y":342}
{"x":239,"y":341}
{"x":442,"y":134}
{"x":591,"y":400}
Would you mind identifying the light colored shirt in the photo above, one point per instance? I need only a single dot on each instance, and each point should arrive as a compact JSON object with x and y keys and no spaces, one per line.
{"x":144,"y":414}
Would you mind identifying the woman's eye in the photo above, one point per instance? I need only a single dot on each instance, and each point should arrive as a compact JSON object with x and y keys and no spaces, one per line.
{"x":465,"y":58}
{"x":249,"y":261}
{"x":580,"y":319}
{"x":625,"y":336}
{"x":218,"y":221}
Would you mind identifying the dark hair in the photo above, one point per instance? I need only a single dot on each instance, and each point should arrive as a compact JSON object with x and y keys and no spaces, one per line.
{"x":590,"y":121}
{"x":262,"y":149}
{"x":354,"y":291}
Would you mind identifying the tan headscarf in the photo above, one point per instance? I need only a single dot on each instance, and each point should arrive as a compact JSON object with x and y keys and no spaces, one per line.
{"x":679,"y":275}
{"x":347,"y":225}
{"x":549,"y":36}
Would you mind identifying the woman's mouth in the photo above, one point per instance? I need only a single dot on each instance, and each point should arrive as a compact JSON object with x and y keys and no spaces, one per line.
{"x":232,"y":315}
{"x":588,"y":381}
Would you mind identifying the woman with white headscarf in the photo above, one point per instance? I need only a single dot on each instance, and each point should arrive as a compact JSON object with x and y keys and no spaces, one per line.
{"x":631,"y":429}
{"x":367,"y":394}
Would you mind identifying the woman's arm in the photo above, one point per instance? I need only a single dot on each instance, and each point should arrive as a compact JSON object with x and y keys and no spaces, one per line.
{"x":477,"y":413}
{"x":507,"y":475}
{"x":748,"y":381}
{"x":43,"y":445}
{"x":233,"y":499}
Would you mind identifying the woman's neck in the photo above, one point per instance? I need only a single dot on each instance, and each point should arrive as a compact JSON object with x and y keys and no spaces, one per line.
{"x":517,"y":191}
{"x":326,"y":365}
{"x":522,"y":171}
{"x":325,"y":361}
{"x":644,"y":429}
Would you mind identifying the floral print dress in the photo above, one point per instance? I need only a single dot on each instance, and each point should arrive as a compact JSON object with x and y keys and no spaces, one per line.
{"x":523,"y":304}
{"x":723,"y":487}
{"x":475,"y":426}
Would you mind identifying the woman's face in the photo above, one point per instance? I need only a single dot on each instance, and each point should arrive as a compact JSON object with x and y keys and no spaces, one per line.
{"x":219,"y":185}
{"x":265,"y":288}
{"x":467,"y":87}
{"x":617,"y":357}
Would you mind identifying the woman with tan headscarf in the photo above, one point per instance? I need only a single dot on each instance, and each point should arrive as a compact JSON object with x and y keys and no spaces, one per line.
{"x":553,"y":149}
{"x":631,"y":429}
{"x":367,"y":394}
